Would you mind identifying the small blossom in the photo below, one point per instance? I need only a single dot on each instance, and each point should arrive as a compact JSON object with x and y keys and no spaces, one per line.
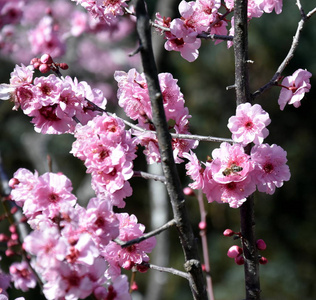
{"x":294,"y":88}
{"x":249,"y":124}
{"x":22,"y":276}
{"x":271,"y":169}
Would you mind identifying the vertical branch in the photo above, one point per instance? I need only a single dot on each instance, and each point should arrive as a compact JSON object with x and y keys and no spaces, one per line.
{"x":251,"y":266}
{"x":192,"y":263}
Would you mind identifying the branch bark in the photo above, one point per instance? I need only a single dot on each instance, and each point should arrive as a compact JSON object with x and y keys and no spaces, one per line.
{"x":192,"y":262}
{"x":251,"y":266}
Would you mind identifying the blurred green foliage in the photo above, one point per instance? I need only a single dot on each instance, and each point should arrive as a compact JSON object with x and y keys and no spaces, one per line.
{"x":284,"y":220}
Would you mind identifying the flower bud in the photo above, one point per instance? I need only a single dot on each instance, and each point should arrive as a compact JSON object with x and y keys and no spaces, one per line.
{"x":202,"y":225}
{"x":46,"y":59}
{"x":234,"y":251}
{"x":13,"y":182}
{"x":228,"y":232}
{"x":263,"y":260}
{"x":44,"y":68}
{"x":239,"y":260}
{"x":134,"y":286}
{"x":63,"y":66}
{"x":261,"y":245}
{"x":142,"y":268}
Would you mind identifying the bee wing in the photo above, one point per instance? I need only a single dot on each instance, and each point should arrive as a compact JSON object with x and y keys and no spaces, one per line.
{"x":6,"y":91}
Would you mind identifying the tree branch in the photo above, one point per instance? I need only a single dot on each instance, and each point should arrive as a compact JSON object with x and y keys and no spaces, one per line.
{"x":276,"y":77}
{"x":192,"y":264}
{"x":251,"y":266}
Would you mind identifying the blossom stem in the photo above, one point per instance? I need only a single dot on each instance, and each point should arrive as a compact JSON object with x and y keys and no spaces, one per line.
{"x":209,"y":285}
{"x":146,"y":236}
{"x":146,"y":175}
{"x":168,"y":270}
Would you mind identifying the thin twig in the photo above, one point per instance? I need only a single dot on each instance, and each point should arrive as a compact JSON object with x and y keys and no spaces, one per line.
{"x":168,"y":270}
{"x":148,"y":235}
{"x":277,"y":76}
{"x":146,"y":175}
{"x":206,"y":35}
{"x":209,"y":285}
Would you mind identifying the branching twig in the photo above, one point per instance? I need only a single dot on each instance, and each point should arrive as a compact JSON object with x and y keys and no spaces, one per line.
{"x":276,"y":77}
{"x":168,"y":270}
{"x":146,"y":236}
{"x":146,"y":175}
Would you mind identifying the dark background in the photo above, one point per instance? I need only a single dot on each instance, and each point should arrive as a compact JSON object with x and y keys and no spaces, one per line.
{"x":285,"y":220}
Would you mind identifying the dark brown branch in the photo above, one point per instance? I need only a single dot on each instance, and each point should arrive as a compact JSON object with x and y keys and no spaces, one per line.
{"x":192,"y":264}
{"x":251,"y":266}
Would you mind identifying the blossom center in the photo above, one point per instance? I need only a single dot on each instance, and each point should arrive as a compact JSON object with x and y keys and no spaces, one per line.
{"x":268,"y":168}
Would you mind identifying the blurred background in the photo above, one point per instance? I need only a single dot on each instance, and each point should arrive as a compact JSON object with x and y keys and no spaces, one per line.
{"x":285,"y":220}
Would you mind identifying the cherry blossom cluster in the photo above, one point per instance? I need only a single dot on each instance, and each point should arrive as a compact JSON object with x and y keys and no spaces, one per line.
{"x":134,"y":98}
{"x":236,"y":252}
{"x":55,"y":104}
{"x":203,"y":17}
{"x":73,"y":247}
{"x":108,"y":151}
{"x":231,"y":175}
{"x":106,"y":10}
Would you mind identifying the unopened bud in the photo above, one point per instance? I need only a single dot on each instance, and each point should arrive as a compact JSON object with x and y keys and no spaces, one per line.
{"x":134,"y":286}
{"x":239,"y":260}
{"x":63,"y":66}
{"x":13,"y":182}
{"x":13,"y":210}
{"x":44,"y":68}
{"x":234,"y":251}
{"x":142,"y":268}
{"x":46,"y":59}
{"x":188,"y":191}
{"x":202,"y":225}
{"x":263,"y":260}
{"x":228,"y":232}
{"x":261,"y":245}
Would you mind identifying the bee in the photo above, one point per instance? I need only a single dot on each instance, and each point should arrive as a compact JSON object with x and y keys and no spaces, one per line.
{"x":232,"y":169}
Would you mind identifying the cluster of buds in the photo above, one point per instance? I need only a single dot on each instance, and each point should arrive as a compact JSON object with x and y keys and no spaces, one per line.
{"x":236,"y":252}
{"x":46,"y":63}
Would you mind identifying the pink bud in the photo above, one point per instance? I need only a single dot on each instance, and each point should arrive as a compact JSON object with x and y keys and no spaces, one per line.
{"x":3,"y":237}
{"x":46,"y":59}
{"x":188,"y":191}
{"x":9,"y":252}
{"x":142,"y":268}
{"x":261,"y":245}
{"x":202,"y":225}
{"x":234,"y":251}
{"x":12,"y":228}
{"x":13,"y":182}
{"x":228,"y":232}
{"x":134,"y":286}
{"x":14,"y":236}
{"x":239,"y":260}
{"x":13,"y":210}
{"x":63,"y":66}
{"x":128,"y":265}
{"x":44,"y":68}
{"x":263,"y":260}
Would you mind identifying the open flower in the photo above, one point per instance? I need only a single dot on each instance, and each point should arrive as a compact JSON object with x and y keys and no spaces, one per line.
{"x":294,"y":88}
{"x":249,"y":124}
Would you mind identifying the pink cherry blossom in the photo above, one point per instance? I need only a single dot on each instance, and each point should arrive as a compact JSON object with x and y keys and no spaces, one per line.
{"x":233,"y":193}
{"x":194,"y":170}
{"x":268,"y":5}
{"x":134,"y":254}
{"x":230,"y":164}
{"x":294,"y":88}
{"x":270,"y":167}
{"x":22,"y":277}
{"x":184,"y":40}
{"x":249,"y":124}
